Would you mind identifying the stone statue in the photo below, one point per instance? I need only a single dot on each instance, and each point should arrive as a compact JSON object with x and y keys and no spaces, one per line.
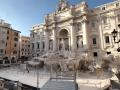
{"x":61,"y":1}
{"x":62,"y":5}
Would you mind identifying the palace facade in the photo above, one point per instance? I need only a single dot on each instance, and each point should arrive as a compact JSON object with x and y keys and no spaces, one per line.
{"x":9,"y":41}
{"x":78,"y":28}
{"x":24,"y":46}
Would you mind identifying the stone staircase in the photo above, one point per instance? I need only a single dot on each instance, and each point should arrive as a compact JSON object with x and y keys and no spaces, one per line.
{"x":64,"y":80}
{"x":58,"y":85}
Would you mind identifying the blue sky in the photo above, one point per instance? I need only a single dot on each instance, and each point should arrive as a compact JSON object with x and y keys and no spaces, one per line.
{"x":22,"y":14}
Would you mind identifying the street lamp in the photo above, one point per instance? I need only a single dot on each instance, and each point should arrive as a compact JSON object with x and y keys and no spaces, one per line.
{"x":115,"y":34}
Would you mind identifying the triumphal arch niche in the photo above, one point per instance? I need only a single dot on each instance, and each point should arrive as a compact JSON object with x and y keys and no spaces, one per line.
{"x":66,"y":28}
{"x":63,"y":40}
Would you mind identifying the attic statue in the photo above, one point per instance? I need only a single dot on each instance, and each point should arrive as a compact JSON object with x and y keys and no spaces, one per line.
{"x":63,"y":5}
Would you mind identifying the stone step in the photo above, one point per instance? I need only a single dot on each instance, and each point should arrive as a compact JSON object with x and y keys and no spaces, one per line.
{"x":58,"y":85}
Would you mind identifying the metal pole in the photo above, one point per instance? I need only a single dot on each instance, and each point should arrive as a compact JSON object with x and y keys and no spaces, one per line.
{"x":75,"y":83}
{"x":51,"y":71}
{"x":37,"y":78}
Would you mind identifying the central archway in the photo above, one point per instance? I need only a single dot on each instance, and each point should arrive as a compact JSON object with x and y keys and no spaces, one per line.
{"x":63,"y":40}
{"x":63,"y":33}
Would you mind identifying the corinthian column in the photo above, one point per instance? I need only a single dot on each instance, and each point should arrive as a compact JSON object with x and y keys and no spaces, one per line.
{"x":54,"y":40}
{"x":73,"y":37}
{"x":85,"y":35}
{"x":46,"y":41}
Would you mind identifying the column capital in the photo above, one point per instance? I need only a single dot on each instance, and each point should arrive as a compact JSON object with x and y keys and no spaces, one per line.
{"x":54,"y":27}
{"x":73,"y":23}
{"x":84,"y":21}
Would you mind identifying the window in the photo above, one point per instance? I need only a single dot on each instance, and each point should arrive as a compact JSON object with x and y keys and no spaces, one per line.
{"x":7,"y":37}
{"x":94,"y":41}
{"x":82,"y":43}
{"x":22,"y":49}
{"x":16,"y":39}
{"x":43,"y":45}
{"x":79,"y":42}
{"x":1,"y":62}
{"x":79,"y":26}
{"x":25,"y":41}
{"x":95,"y":54}
{"x":51,"y":33}
{"x":32,"y":45}
{"x":107,"y":40}
{"x":119,"y":18}
{"x":93,"y":24}
{"x":103,"y":8}
{"x":28,"y":45}
{"x":15,"y":45}
{"x":14,"y":52}
{"x":15,"y":33}
{"x":105,"y":20}
{"x":2,"y":41}
{"x":38,"y":45}
{"x":1,"y":50}
{"x":8,"y":32}
{"x":108,"y":53}
{"x":33,"y":36}
{"x":117,"y":4}
{"x":50,"y":44}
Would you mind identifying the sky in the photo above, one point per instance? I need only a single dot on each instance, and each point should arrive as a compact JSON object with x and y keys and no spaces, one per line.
{"x":23,"y":14}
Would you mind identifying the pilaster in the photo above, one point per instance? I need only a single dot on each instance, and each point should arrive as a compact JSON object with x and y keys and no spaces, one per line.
{"x":54,"y":39}
{"x":46,"y":41}
{"x":73,"y":37}
{"x":85,"y":33}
